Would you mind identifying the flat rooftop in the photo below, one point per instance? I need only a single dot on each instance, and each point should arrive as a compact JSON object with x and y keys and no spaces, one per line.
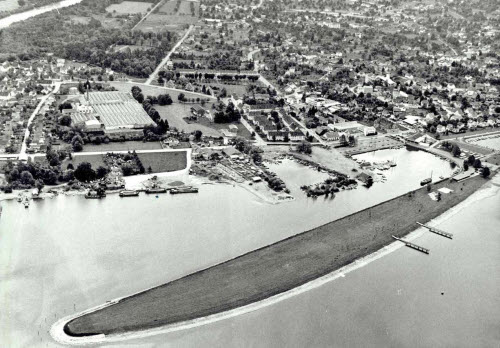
{"x":118,"y":110}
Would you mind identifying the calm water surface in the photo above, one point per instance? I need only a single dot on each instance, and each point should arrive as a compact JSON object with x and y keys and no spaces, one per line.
{"x":67,"y":254}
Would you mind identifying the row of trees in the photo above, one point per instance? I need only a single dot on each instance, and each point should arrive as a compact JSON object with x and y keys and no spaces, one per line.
{"x":153,"y":132}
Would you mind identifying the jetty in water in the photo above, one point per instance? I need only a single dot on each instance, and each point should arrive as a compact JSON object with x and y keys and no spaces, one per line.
{"x":436,"y":231}
{"x":413,"y":246}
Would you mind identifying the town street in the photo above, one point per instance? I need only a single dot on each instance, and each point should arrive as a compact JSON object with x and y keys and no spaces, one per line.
{"x":22,"y":154}
{"x":258,"y":139}
{"x":167,"y":57}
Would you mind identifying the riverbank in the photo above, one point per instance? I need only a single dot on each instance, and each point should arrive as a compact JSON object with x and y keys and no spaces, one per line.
{"x":274,"y":269}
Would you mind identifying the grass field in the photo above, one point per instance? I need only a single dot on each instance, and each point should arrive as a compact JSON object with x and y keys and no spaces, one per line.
{"x":164,"y":161}
{"x":94,"y":160}
{"x":129,"y":7}
{"x":236,"y":90}
{"x":242,"y":131}
{"x":273,"y":269}
{"x":175,"y":115}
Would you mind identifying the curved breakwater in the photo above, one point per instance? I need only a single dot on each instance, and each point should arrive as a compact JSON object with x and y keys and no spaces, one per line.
{"x":59,"y":334}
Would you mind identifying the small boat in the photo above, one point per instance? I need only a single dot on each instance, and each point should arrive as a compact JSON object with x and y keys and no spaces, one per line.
{"x":425,"y":181}
{"x":19,"y":199}
{"x":183,"y":190}
{"x":156,"y":190}
{"x":26,"y":203}
{"x":129,"y":193}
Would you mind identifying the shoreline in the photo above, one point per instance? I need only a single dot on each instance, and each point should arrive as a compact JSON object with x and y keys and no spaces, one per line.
{"x":349,"y":260}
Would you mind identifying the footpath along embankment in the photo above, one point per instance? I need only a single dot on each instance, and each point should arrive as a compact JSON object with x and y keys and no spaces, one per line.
{"x":273,"y":269}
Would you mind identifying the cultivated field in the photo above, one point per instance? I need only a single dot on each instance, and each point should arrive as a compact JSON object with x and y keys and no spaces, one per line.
{"x":129,"y":7}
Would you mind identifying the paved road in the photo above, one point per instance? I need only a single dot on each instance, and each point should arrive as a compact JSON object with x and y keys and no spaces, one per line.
{"x":152,"y":77}
{"x":267,"y":83}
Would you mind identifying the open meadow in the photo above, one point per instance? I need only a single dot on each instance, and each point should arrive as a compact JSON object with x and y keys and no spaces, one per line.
{"x":175,"y":115}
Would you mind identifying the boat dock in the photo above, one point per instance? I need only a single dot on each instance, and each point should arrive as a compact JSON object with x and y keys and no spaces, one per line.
{"x":436,"y":231}
{"x":413,"y":246}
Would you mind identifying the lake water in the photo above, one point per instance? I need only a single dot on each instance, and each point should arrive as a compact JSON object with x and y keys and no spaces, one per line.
{"x":67,"y":254}
{"x":18,"y":17}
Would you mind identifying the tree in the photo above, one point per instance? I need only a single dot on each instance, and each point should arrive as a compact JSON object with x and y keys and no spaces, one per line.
{"x":50,"y":178}
{"x":466,"y":165}
{"x":84,"y":172}
{"x":471,"y":160}
{"x":27,"y":178}
{"x":101,"y":172}
{"x":304,"y":147}
{"x":164,"y":99}
{"x":77,"y":143}
{"x":197,"y":135}
{"x":181,"y":97}
{"x":65,"y":121}
{"x":455,"y":150}
{"x":477,"y":163}
{"x":485,"y":172}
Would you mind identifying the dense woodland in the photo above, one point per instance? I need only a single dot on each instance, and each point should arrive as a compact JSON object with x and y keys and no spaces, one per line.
{"x":89,"y":42}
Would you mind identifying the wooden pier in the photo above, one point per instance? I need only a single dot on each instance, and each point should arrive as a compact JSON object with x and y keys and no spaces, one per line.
{"x":436,"y":231}
{"x":413,"y":246}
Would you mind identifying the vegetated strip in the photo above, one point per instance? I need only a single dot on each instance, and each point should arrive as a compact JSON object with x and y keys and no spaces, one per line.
{"x":273,"y":269}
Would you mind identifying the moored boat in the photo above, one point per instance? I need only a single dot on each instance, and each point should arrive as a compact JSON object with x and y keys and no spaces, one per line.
{"x":425,"y":181}
{"x":184,"y":190}
{"x":156,"y":190}
{"x":129,"y":193}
